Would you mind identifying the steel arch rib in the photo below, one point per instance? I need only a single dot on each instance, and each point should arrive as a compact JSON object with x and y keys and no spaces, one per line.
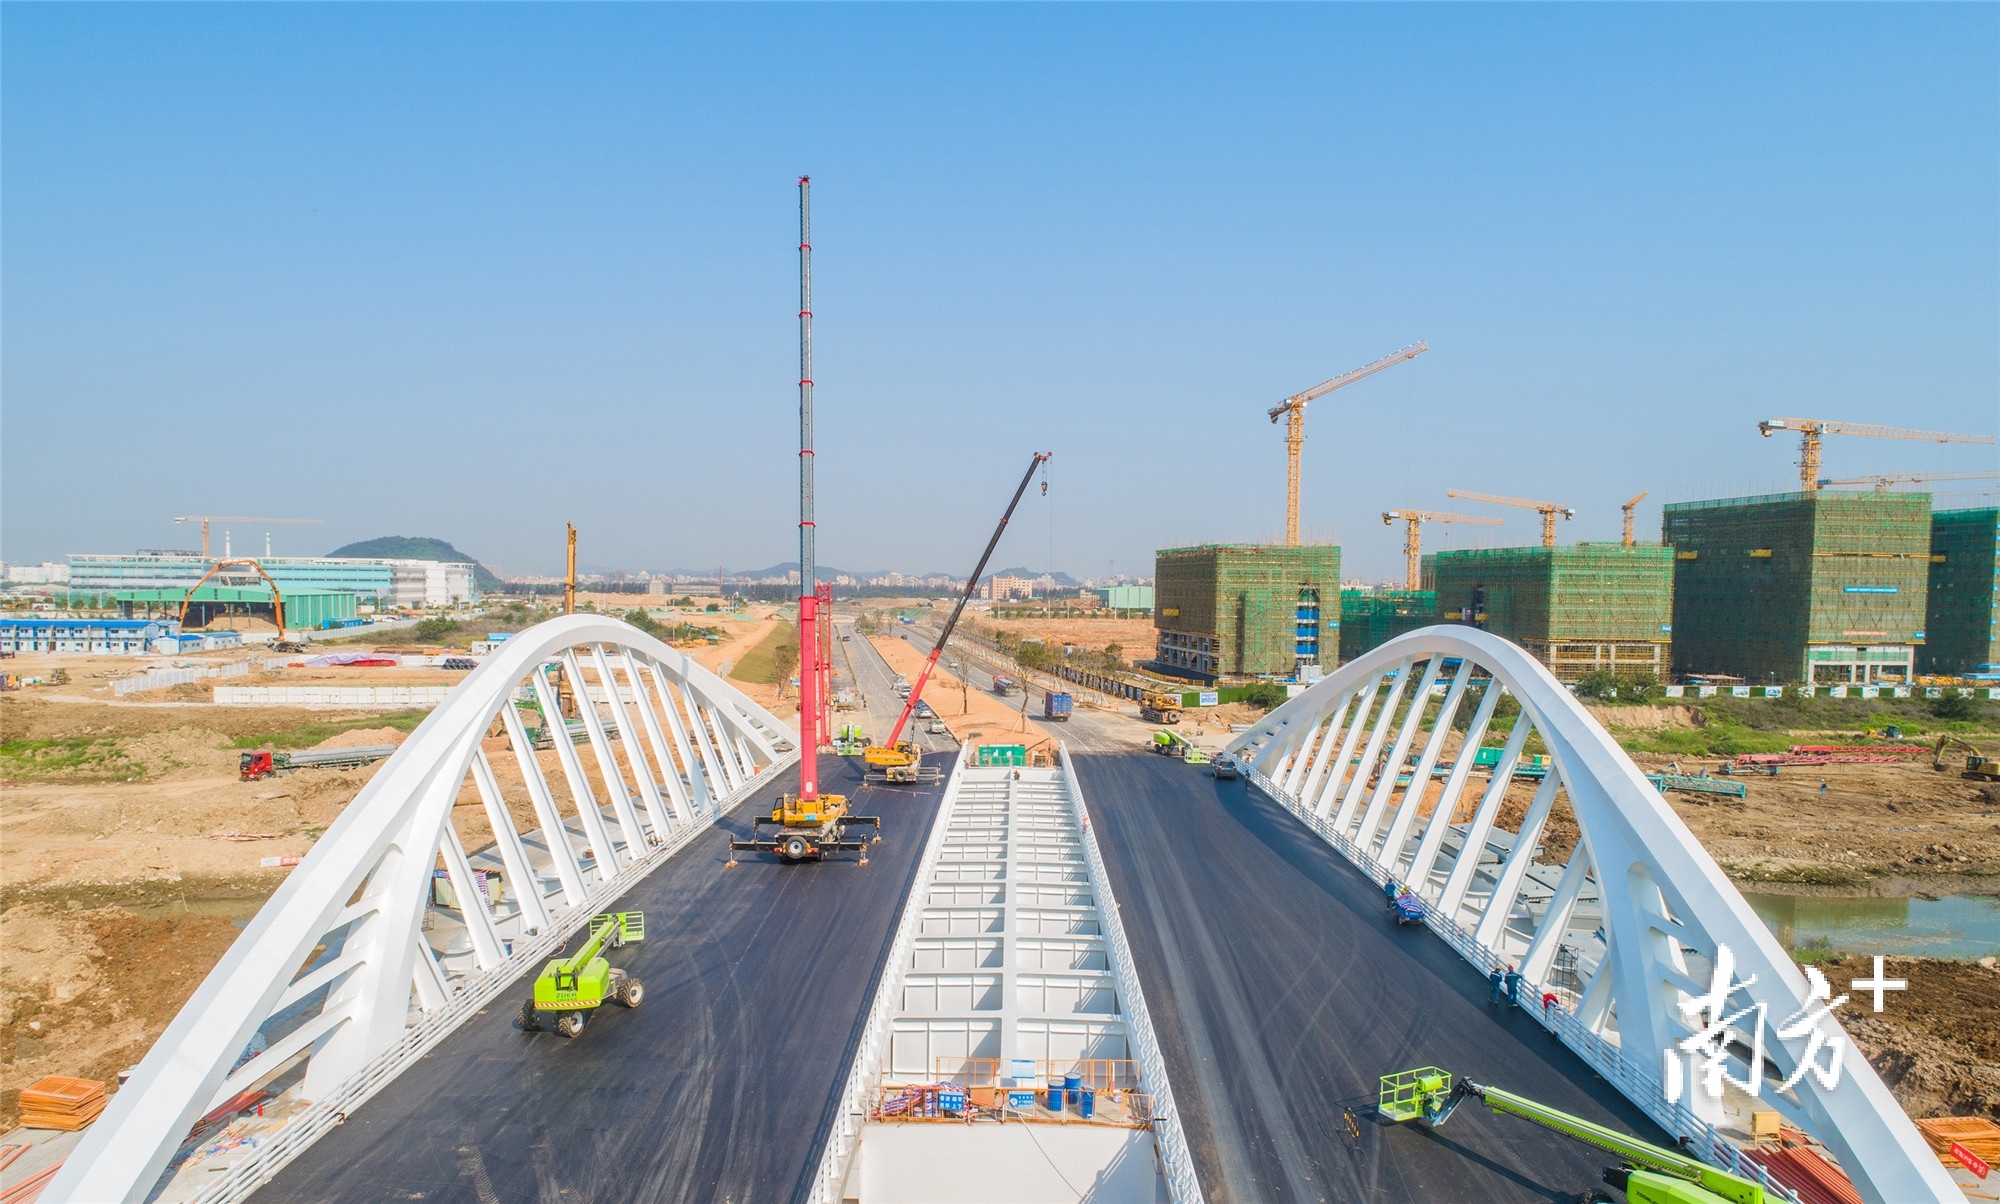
{"x":363,"y":889}
{"x":1664,"y":901}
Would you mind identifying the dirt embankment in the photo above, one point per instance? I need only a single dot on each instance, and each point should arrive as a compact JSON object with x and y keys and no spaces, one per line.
{"x":86,"y":992}
{"x":1936,"y":1044}
{"x":1903,"y":826}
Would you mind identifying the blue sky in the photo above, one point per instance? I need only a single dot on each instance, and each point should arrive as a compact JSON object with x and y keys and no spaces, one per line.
{"x":475,"y":271}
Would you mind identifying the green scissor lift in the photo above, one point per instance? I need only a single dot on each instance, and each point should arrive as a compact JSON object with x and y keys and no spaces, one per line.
{"x":1650,"y":1175}
{"x":569,"y":987}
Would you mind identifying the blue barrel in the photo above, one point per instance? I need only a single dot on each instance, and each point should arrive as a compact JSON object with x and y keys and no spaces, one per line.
{"x":1086,"y":1106}
{"x":1073,"y":1088}
{"x":1055,"y":1098}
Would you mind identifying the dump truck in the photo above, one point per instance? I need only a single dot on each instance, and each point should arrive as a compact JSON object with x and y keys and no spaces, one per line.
{"x":570,"y":987}
{"x":1004,"y":686}
{"x":254,"y":765}
{"x":1057,"y":705}
{"x":896,"y":759}
{"x":1647,"y":1174}
{"x":1160,"y":706}
{"x":1977,"y":763}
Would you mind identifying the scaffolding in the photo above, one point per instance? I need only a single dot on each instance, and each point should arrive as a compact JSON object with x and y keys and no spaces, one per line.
{"x":1962,"y":609}
{"x":1576,"y":608}
{"x":1226,"y":610}
{"x":1370,"y":618}
{"x":1816,"y":588}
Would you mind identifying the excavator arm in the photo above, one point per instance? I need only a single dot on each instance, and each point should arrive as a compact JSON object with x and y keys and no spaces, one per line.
{"x":971,"y":586}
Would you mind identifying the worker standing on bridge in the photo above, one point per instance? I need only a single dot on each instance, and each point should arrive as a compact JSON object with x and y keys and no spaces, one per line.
{"x":1389,"y":891}
{"x":1513,"y":987}
{"x":1494,"y":987}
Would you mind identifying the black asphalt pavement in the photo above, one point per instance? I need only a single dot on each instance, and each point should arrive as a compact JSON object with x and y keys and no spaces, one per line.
{"x":1281,"y":992}
{"x":720,"y":1087}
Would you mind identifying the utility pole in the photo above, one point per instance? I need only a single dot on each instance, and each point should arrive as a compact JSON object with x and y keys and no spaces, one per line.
{"x":569,"y":576}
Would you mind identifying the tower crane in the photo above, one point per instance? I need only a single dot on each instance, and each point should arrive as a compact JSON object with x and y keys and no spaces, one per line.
{"x":1413,"y":554}
{"x":1548,"y":510}
{"x":1293,"y":409}
{"x":205,"y":519}
{"x":1628,"y":508}
{"x":1811,"y":430}
{"x":1882,"y":481}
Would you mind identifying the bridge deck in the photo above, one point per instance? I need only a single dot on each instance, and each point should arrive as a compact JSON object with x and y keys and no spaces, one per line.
{"x":720,"y":1087}
{"x":1280,"y":992}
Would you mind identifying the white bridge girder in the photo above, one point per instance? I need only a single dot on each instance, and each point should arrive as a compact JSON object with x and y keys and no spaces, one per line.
{"x":1628,"y":986}
{"x":336,"y":970}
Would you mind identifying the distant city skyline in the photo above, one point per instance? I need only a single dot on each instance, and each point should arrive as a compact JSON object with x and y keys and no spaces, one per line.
{"x":486,"y":270}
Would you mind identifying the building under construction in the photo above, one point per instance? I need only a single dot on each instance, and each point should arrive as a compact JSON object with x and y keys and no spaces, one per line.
{"x":1576,"y":608}
{"x":1370,"y":618}
{"x":1818,"y":588}
{"x":1246,"y":610}
{"x":1962,"y":609}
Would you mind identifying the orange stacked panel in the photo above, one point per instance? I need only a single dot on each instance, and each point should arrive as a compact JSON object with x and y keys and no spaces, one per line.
{"x":1809,"y":1175}
{"x":1977,"y":1134}
{"x":61,"y":1103}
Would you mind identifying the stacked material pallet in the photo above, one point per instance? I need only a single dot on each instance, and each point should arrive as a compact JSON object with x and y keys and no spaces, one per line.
{"x":61,"y":1103}
{"x":1975,"y":1135}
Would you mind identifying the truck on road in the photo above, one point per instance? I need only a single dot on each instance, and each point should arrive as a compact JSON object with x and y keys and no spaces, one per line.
{"x":1004,"y":686}
{"x":1057,"y":705}
{"x":254,"y":765}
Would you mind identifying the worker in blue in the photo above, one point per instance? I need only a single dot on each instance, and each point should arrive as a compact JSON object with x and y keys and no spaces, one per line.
{"x":1494,"y":992}
{"x":1513,"y":987}
{"x":1389,"y":891}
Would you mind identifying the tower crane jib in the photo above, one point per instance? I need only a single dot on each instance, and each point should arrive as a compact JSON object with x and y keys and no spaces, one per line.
{"x":1293,"y":409}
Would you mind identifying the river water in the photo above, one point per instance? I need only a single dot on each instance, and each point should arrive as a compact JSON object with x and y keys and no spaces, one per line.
{"x":1959,"y":926}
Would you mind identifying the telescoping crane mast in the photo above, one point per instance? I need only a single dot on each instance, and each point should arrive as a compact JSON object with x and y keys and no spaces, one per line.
{"x":1413,"y":546}
{"x":810,"y":824}
{"x":1548,"y":510}
{"x":896,"y":755}
{"x":1810,"y":431}
{"x":1293,"y":409}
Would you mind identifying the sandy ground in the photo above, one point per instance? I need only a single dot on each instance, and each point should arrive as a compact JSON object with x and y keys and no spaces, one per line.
{"x":1136,"y":636}
{"x":1936,"y":1044}
{"x":974,"y":715}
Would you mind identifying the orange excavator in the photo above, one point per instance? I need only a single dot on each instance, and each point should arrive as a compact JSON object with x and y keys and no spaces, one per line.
{"x":896,"y":759}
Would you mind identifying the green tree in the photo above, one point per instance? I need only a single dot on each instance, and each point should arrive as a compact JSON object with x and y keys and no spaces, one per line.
{"x":1265,"y":695}
{"x":646,"y":623}
{"x":1034,"y":655}
{"x":434,"y":631}
{"x":784,"y":659}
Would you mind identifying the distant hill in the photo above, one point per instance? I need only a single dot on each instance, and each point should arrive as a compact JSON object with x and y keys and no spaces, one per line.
{"x":419,"y":547}
{"x":1062,"y":579}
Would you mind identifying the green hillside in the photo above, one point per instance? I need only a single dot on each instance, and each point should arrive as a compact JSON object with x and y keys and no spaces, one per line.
{"x":419,"y":547}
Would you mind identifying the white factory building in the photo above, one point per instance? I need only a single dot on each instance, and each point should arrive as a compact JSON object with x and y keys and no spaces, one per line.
{"x":379,"y":581}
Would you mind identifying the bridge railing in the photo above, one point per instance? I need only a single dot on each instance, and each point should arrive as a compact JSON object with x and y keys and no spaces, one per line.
{"x":1642,"y":1088}
{"x":1168,"y":1135}
{"x":473,"y":992}
{"x":864,"y":1075}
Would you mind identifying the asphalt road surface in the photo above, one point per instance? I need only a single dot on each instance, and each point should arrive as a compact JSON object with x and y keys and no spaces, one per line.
{"x":720,"y":1087}
{"x":1281,"y":992}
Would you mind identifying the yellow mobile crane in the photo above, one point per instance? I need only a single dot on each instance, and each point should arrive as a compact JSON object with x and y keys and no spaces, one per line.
{"x":896,"y":759}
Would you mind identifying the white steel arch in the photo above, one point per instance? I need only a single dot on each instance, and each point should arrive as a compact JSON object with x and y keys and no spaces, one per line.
{"x":346,"y":975}
{"x":1627,"y":934}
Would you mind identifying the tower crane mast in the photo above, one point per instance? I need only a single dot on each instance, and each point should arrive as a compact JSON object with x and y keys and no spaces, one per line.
{"x":1549,"y":510}
{"x":1628,"y":508}
{"x":1811,"y":430}
{"x":1293,"y":409}
{"x":1413,"y":550}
